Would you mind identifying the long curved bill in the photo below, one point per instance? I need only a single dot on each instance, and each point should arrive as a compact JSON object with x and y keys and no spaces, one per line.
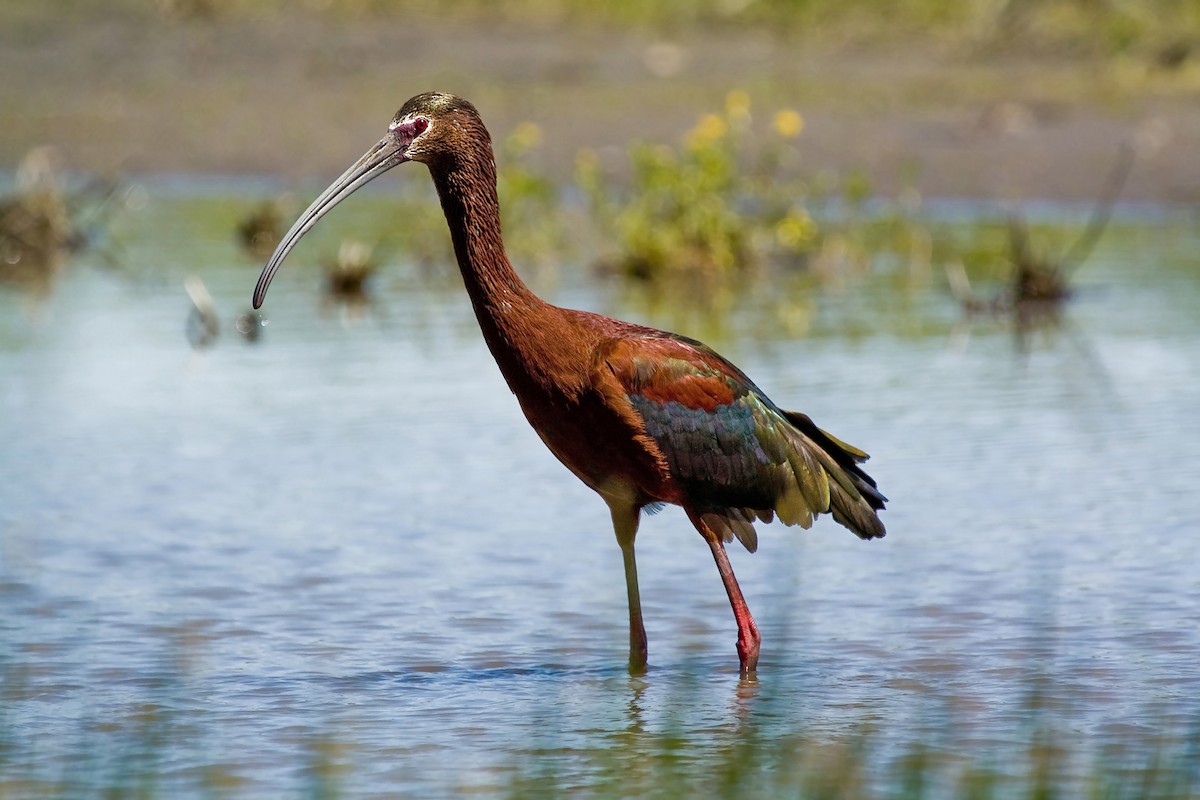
{"x":387,"y":153}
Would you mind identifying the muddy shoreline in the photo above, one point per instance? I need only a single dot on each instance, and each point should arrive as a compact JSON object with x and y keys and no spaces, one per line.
{"x":299,"y":95}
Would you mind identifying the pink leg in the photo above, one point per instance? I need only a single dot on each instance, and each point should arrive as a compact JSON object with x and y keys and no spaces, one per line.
{"x":748,"y":638}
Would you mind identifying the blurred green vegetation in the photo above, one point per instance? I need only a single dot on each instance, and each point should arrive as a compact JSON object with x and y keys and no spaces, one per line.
{"x":727,"y":219}
{"x":43,"y":222}
{"x":161,"y":743}
{"x":715,"y":208}
{"x":731,"y":205}
{"x":1097,"y":26}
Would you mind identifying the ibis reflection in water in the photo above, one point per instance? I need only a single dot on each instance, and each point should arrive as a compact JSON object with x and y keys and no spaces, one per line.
{"x":642,"y":416}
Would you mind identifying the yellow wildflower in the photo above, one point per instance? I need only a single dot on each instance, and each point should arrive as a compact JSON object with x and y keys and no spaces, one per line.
{"x":788,"y":123}
{"x":796,"y":230}
{"x":737,"y":106}
{"x":709,"y":129}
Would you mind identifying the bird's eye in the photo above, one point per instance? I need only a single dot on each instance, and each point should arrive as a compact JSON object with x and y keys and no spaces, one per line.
{"x":419,"y":125}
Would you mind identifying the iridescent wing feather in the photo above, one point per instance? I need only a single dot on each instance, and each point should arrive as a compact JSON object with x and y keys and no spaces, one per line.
{"x":736,"y":455}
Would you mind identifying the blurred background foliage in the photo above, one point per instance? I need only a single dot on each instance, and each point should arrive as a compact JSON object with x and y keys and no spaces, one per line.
{"x":1099,"y":26}
{"x":645,"y":140}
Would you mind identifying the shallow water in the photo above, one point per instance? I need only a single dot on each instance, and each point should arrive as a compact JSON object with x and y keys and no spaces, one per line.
{"x":340,"y":553}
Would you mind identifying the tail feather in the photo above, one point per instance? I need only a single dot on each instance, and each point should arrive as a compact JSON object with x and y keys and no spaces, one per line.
{"x":856,"y":514}
{"x":853,"y":496}
{"x":731,"y":523}
{"x":812,"y":476}
{"x":819,"y":476}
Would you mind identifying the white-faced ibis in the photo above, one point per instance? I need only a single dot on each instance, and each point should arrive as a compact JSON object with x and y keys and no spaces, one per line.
{"x":642,"y":416}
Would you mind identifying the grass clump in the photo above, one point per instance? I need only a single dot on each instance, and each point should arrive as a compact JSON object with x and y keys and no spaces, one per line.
{"x":717,"y":208}
{"x":730,"y":210}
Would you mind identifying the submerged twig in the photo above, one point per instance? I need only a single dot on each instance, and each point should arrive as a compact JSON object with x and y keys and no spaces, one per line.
{"x":203,"y":326}
{"x":1102,"y":212}
{"x":1039,"y":285}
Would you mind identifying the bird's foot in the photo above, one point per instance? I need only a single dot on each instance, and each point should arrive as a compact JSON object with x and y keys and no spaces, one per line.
{"x":747,"y":647}
{"x":637,"y":658}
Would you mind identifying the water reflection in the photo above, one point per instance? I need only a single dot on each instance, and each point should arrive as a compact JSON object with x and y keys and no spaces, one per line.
{"x":202,"y":323}
{"x":345,"y":560}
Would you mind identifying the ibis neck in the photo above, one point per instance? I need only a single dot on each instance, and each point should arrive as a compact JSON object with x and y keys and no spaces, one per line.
{"x":469,"y":200}
{"x":518,"y":326}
